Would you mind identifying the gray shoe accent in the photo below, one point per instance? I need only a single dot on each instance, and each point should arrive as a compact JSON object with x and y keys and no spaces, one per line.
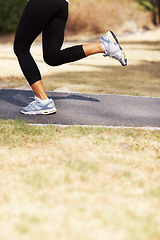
{"x":112,"y":47}
{"x":36,"y":107}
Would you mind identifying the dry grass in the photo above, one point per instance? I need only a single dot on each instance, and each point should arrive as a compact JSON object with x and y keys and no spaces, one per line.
{"x":95,"y":74}
{"x":78,"y":183}
{"x":103,"y":75}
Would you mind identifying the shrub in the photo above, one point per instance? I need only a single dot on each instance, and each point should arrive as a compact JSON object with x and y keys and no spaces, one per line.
{"x":10,"y":12}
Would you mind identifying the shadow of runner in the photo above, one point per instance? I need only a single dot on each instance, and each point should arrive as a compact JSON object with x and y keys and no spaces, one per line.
{"x":75,"y":97}
{"x":22,"y":97}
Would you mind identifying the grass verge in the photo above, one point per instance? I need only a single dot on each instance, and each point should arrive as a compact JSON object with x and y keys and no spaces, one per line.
{"x":78,"y":183}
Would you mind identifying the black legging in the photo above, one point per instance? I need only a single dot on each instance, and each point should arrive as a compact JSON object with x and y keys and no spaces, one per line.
{"x":48,"y":17}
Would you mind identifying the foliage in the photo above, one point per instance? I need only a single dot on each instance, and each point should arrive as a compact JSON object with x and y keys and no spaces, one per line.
{"x":10,"y":12}
{"x":154,"y":7}
{"x":147,"y":4}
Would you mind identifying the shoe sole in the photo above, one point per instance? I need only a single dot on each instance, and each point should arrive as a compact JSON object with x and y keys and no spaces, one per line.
{"x":40,"y":112}
{"x":114,"y":39}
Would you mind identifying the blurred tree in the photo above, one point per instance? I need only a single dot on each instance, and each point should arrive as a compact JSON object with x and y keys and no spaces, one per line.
{"x":154,"y":6}
{"x":158,"y":1}
{"x":10,"y":12}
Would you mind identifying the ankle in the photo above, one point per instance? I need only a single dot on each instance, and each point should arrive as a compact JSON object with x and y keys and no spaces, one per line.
{"x":41,"y":96}
{"x":101,"y":49}
{"x":92,"y":48}
{"x":43,"y":102}
{"x":39,"y":90}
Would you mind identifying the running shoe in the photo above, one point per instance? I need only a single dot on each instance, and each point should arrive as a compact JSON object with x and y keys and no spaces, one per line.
{"x":37,"y":107}
{"x":112,"y":47}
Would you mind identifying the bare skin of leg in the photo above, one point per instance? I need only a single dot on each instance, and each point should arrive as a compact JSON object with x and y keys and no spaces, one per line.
{"x":92,"y":48}
{"x":39,"y":90}
{"x":89,"y":49}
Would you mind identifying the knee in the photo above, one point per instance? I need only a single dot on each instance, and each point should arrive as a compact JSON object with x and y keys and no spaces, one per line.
{"x":16,"y":47}
{"x":19,"y":48}
{"x":51,"y":60}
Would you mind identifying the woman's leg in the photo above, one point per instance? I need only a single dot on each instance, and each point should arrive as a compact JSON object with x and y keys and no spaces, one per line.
{"x":88,"y":49}
{"x":49,"y":17}
{"x":92,"y":48}
{"x":53,"y":36}
{"x":36,"y":16}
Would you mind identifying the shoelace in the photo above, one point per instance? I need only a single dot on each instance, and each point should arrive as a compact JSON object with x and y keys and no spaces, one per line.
{"x":115,"y":51}
{"x":123,"y":60}
{"x":35,"y":100}
{"x":33,"y":103}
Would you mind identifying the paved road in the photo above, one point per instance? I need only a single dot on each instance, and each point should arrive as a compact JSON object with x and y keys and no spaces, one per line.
{"x":85,"y":109}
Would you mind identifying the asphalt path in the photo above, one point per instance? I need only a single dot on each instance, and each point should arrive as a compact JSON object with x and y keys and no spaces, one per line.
{"x":85,"y":109}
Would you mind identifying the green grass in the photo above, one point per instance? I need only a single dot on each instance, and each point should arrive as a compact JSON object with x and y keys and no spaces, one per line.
{"x":78,"y":183}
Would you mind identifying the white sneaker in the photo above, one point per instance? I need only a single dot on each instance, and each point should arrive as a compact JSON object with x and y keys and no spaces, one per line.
{"x":37,"y":107}
{"x":112,"y":47}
